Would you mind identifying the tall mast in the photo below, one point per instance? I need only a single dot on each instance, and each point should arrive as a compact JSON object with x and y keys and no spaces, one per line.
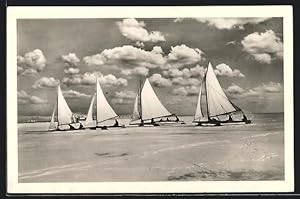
{"x":96,"y":101}
{"x":140,"y":100}
{"x":206,"y":93}
{"x":57,"y":105}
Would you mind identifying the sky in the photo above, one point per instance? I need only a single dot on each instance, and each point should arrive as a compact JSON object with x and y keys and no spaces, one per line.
{"x":246,"y":55}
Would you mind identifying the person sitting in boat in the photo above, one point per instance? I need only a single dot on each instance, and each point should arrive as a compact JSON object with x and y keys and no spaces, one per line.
{"x":152,"y":121}
{"x":116,"y":123}
{"x":245,"y":119}
{"x":168,"y":119}
{"x":177,"y":119}
{"x":230,"y":119}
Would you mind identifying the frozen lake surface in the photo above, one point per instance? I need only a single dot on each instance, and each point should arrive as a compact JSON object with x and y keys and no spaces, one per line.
{"x":163,"y":153}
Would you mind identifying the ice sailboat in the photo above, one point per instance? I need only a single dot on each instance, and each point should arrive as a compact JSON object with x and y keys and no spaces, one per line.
{"x":213,"y":106}
{"x":149,"y":110}
{"x":104,"y":111}
{"x":62,"y":116}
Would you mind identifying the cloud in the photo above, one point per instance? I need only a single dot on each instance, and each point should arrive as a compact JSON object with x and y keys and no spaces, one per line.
{"x":71,"y":70}
{"x":34,"y":60}
{"x":225,"y":70}
{"x":263,"y":46}
{"x":235,"y":91}
{"x":121,"y":101}
{"x":124,"y":97}
{"x":125,"y":94}
{"x":227,"y":22}
{"x":135,"y":30}
{"x":94,"y":60}
{"x":183,"y":55}
{"x":139,"y":44}
{"x":128,"y":56}
{"x":29,"y":72}
{"x":142,"y":71}
{"x":197,"y":71}
{"x":45,"y":82}
{"x":157,"y":50}
{"x":270,"y":87}
{"x":187,"y":90}
{"x":70,"y":59}
{"x":89,"y":78}
{"x":24,"y":98}
{"x":186,"y":81}
{"x":159,"y":81}
{"x":75,"y":94}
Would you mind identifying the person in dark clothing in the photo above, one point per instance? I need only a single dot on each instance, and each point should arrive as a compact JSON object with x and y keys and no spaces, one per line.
{"x":230,"y":119}
{"x":152,"y":121}
{"x":177,"y":119}
{"x":116,"y":123}
{"x":245,"y":119}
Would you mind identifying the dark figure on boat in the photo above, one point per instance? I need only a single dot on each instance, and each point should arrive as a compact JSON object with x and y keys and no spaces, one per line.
{"x":116,"y":123}
{"x":230,"y":119}
{"x":177,"y":119}
{"x":215,"y":121}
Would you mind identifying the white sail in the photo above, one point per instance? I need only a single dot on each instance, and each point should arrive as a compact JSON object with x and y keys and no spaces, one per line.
{"x":151,"y":106}
{"x":136,"y":112}
{"x":64,"y":114}
{"x":198,"y":113}
{"x":52,"y":125}
{"x":89,"y":117}
{"x":217,"y":100}
{"x":104,"y":110}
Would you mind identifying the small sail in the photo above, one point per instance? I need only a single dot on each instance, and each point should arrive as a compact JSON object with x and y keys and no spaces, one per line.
{"x":52,"y":125}
{"x":218,"y":103}
{"x":199,"y":113}
{"x":104,"y":110}
{"x":136,"y":112}
{"x":64,"y":114}
{"x":89,"y":117}
{"x":151,"y":106}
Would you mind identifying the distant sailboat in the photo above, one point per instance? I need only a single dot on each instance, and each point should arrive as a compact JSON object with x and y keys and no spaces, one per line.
{"x":148,"y":108}
{"x":213,"y":105}
{"x":63,"y":114}
{"x":104,"y":111}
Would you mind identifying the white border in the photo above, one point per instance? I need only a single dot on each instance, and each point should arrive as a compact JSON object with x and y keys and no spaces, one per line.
{"x":14,"y":13}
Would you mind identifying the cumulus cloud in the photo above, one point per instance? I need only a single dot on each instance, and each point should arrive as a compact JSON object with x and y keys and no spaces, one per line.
{"x":128,"y":56}
{"x":159,"y":81}
{"x":75,"y":94}
{"x":121,"y":101}
{"x":183,"y":55}
{"x":29,"y":72}
{"x":139,"y":44}
{"x":45,"y":82}
{"x":24,"y":98}
{"x":140,"y":70}
{"x":70,"y":59}
{"x":225,"y":70}
{"x":158,"y":50}
{"x":125,"y":94}
{"x":136,"y":31}
{"x":197,"y":71}
{"x":235,"y":91}
{"x":263,"y":46}
{"x":186,"y":81}
{"x":71,"y":70}
{"x":227,"y":22}
{"x":186,"y":90}
{"x":34,"y":60}
{"x":270,"y":87}
{"x":89,"y":78}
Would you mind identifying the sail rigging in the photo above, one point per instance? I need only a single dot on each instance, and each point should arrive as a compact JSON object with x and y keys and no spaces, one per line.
{"x":147,"y":106}
{"x":212,"y":100}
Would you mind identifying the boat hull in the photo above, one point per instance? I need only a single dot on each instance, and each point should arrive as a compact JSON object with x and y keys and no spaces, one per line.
{"x":225,"y":123}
